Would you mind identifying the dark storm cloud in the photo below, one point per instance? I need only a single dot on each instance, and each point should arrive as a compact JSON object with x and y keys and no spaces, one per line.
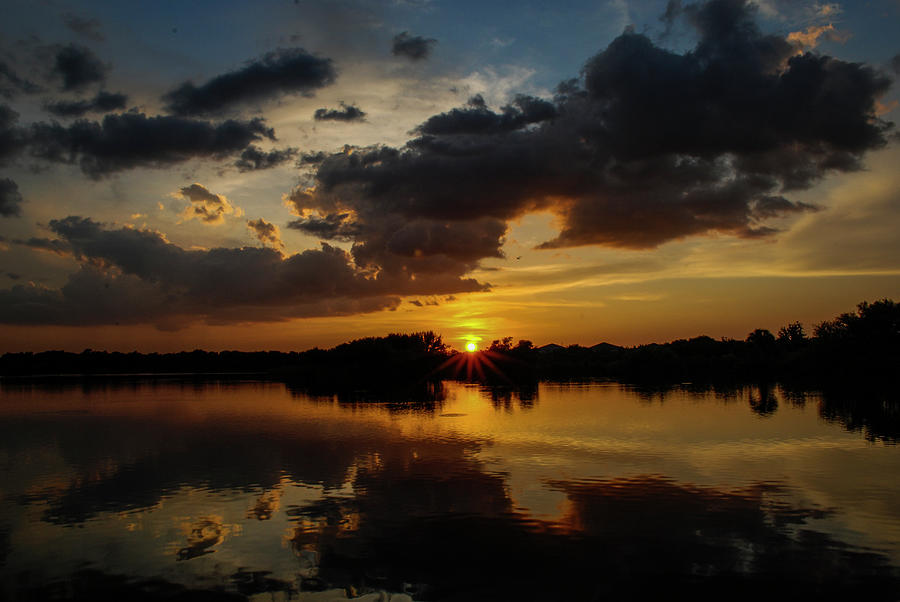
{"x":12,"y":137}
{"x":478,"y":119}
{"x":51,"y":245}
{"x":89,"y":28}
{"x":103,"y":102}
{"x":424,"y":246}
{"x":334,"y":226}
{"x":137,"y":276}
{"x":415,"y":48}
{"x":11,"y":83}
{"x":10,"y":198}
{"x":78,"y":67}
{"x":415,"y":245}
{"x":282,"y":71}
{"x":649,"y":146}
{"x":895,"y":64}
{"x":345,"y":113}
{"x":774,"y":206}
{"x":128,"y":140}
{"x":312,"y":158}
{"x":254,"y":158}
{"x":673,"y":10}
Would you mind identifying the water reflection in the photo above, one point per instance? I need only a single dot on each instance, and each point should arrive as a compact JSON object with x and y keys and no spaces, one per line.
{"x":874,"y":413}
{"x":764,"y":402}
{"x":505,"y":398}
{"x":202,"y":536}
{"x":594,"y":491}
{"x":418,"y":397}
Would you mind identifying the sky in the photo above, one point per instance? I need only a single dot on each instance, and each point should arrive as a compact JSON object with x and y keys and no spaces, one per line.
{"x":285,"y":174}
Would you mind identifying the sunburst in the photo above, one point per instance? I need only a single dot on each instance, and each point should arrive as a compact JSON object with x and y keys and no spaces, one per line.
{"x":475,"y":365}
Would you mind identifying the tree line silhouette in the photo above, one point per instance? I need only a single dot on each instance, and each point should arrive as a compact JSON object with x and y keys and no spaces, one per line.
{"x":861,"y":344}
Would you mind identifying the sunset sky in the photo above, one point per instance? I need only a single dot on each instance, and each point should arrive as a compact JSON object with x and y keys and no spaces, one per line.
{"x":284,"y":174}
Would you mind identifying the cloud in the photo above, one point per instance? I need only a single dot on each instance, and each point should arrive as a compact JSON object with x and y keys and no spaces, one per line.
{"x":312,"y":158}
{"x":497,"y":42}
{"x":128,"y":140}
{"x":103,"y":102}
{"x":70,"y":67}
{"x":809,"y":39}
{"x":208,"y":207}
{"x":12,"y":137}
{"x":791,"y":11}
{"x":857,"y":228}
{"x":826,"y":10}
{"x":282,"y":71}
{"x":137,"y":276}
{"x":478,"y":119}
{"x":895,"y":64}
{"x":50,"y":245}
{"x":648,"y":146}
{"x":11,"y":84}
{"x":254,"y":158}
{"x":88,"y":28}
{"x":415,"y":48}
{"x":333,"y":226}
{"x":776,"y":206}
{"x":78,"y":67}
{"x":345,"y":113}
{"x":497,"y":87}
{"x":268,"y":234}
{"x":10,"y":198}
{"x":416,"y":245}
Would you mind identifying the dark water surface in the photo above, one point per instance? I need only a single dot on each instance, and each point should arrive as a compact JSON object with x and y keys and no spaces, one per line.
{"x":233,"y":490}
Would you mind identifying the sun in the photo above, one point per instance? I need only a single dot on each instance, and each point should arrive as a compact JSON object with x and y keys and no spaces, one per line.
{"x":471,"y":346}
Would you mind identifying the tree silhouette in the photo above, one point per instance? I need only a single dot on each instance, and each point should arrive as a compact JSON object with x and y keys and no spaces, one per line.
{"x":761,"y":338}
{"x":501,"y":345}
{"x":792,"y":334}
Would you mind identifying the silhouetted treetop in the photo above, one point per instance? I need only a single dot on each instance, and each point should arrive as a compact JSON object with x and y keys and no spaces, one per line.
{"x":875,"y":323}
{"x":761,"y":338}
{"x":792,"y":334}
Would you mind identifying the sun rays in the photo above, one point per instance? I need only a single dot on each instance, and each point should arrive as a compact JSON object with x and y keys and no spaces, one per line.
{"x":475,"y":365}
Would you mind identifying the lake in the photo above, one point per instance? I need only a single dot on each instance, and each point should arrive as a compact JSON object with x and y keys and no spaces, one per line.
{"x":233,"y":489}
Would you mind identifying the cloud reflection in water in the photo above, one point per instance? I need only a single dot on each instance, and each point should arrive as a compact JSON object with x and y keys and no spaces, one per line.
{"x":232,"y":487}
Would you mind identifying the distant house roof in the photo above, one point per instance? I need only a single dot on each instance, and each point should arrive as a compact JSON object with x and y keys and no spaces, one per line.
{"x":605,"y":347}
{"x":550,"y":348}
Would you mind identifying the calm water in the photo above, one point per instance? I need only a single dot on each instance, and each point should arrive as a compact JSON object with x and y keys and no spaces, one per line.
{"x":224,"y":490}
